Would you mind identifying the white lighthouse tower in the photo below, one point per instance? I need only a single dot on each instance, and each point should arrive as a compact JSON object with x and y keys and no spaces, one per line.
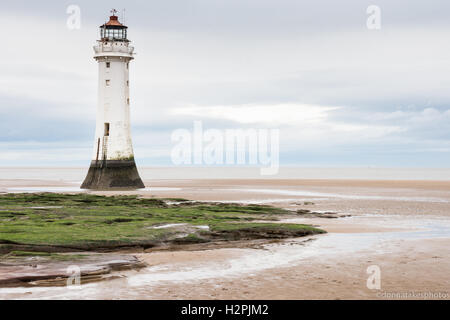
{"x":113,"y":165}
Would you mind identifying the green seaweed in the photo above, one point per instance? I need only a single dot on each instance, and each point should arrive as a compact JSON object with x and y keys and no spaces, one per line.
{"x":90,"y":221}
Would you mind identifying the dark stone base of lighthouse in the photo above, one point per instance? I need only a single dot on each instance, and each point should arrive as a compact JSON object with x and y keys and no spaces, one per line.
{"x":112,"y":174}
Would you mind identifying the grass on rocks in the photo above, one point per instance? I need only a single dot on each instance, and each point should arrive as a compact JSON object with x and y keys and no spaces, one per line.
{"x":89,"y":222}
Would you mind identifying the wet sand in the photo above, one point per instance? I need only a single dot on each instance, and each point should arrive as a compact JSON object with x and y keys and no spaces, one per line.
{"x":401,"y":226}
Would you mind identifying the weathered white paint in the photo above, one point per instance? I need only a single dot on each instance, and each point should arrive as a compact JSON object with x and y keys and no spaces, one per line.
{"x":113,"y":101}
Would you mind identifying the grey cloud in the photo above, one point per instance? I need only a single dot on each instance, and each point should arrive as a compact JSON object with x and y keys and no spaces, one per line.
{"x":232,"y":52}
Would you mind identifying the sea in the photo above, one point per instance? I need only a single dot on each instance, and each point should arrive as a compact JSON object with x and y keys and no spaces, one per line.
{"x":76,"y":174}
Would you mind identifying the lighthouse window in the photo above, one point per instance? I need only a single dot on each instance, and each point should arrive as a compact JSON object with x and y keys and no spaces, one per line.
{"x":128,"y":100}
{"x":128,"y":83}
{"x":108,"y":82}
{"x":106,"y":134}
{"x":108,"y":64}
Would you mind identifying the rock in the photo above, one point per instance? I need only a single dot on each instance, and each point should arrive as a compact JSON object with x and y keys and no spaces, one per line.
{"x":95,"y":267}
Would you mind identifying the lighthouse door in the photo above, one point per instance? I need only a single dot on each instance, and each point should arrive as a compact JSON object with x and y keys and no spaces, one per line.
{"x":106,"y":134}
{"x":105,"y":142}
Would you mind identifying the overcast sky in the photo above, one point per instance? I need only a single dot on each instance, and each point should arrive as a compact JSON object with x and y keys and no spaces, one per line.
{"x":341,"y":94}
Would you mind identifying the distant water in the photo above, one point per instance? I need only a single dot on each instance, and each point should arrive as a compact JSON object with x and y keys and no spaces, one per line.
{"x":325,"y":195}
{"x":77,"y":175}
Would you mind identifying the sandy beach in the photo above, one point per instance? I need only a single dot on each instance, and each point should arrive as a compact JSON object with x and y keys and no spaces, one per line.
{"x":401,"y":226}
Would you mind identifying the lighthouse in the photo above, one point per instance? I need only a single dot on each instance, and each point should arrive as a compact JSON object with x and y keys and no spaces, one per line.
{"x":113,"y":165}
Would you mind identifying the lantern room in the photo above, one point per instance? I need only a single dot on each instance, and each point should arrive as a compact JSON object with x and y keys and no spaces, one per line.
{"x":113,"y":30}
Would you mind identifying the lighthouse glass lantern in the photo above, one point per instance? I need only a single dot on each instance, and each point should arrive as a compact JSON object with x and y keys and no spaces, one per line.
{"x":113,"y":30}
{"x":113,"y":165}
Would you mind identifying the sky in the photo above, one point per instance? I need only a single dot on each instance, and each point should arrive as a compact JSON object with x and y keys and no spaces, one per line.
{"x":340,"y":94}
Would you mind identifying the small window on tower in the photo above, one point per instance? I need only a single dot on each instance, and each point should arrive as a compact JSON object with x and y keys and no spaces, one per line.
{"x":128,"y":100}
{"x":128,"y":83}
{"x":128,"y":64}
{"x":108,"y":64}
{"x":106,"y":134}
{"x":108,"y":82}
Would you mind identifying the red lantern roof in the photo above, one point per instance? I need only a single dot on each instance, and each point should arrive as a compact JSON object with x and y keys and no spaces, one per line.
{"x":114,"y":21}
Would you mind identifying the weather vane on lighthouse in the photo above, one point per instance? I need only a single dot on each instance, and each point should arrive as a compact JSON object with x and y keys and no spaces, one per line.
{"x":113,"y":165}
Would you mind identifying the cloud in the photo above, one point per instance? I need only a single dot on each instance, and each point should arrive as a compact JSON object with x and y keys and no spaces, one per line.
{"x":275,"y":115}
{"x":313,"y":70}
